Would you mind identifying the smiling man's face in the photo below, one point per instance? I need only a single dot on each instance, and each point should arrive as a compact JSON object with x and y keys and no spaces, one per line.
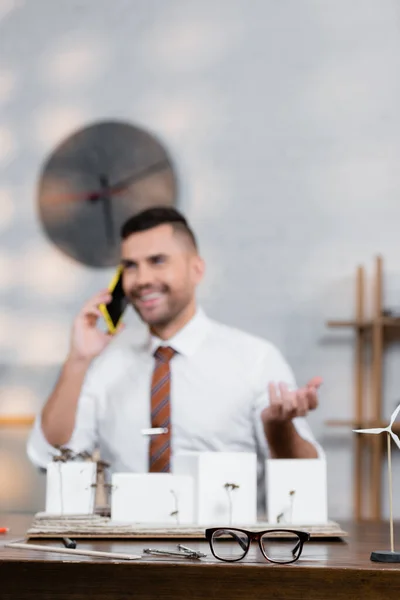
{"x":161,"y":271}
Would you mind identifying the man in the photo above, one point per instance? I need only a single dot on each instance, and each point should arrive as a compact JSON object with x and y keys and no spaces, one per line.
{"x":202,"y":385}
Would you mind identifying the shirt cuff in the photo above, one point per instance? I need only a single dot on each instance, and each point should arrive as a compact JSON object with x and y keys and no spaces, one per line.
{"x":40,"y":452}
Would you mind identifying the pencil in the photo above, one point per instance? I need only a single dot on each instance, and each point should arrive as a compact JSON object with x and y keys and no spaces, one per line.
{"x":114,"y":555}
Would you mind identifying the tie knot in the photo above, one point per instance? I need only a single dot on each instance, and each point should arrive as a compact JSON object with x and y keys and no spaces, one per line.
{"x":164,"y":353}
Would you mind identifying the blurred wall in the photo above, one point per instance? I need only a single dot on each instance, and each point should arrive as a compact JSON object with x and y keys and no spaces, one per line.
{"x":283,"y":120}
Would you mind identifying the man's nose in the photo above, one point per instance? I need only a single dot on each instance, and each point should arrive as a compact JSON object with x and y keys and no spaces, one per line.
{"x":144,"y":276}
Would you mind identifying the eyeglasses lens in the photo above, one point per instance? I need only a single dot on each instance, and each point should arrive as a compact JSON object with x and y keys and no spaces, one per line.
{"x":229,"y":544}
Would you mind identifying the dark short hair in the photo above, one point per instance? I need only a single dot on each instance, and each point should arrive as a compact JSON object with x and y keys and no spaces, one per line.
{"x":153,"y":217}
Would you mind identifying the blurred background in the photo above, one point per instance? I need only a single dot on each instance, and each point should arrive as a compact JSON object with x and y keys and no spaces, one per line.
{"x":280,"y":120}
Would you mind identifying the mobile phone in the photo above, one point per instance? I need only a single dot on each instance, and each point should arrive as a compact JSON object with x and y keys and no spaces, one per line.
{"x":113,"y":311}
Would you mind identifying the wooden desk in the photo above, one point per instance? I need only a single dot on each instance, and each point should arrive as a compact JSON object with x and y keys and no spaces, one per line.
{"x":326,"y":570}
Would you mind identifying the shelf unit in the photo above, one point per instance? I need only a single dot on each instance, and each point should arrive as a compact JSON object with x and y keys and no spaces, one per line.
{"x":370,"y":334}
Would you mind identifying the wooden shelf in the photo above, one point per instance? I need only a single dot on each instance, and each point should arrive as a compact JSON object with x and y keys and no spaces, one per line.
{"x":355,"y":324}
{"x":382,"y":321}
{"x":390,"y":321}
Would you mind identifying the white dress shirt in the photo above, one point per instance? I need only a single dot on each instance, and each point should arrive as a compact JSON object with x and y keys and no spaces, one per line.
{"x":219,"y":386}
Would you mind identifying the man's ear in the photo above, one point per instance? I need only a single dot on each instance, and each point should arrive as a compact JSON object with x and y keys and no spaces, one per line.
{"x":199,"y":268}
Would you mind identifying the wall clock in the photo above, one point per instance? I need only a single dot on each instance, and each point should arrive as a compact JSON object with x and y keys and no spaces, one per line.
{"x":96,"y":179}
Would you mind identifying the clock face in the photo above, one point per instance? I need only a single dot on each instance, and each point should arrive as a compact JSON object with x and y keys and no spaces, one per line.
{"x":95,"y":180}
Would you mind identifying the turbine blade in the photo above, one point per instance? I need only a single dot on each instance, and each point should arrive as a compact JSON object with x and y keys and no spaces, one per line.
{"x":376,"y":431}
{"x":394,"y":415}
{"x":395,"y":438}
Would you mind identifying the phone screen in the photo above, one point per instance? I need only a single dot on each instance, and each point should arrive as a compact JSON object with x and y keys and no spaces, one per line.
{"x":118,"y":302}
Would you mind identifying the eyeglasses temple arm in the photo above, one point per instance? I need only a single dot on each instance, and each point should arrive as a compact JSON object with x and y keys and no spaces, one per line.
{"x":294,"y":551}
{"x":239,"y":540}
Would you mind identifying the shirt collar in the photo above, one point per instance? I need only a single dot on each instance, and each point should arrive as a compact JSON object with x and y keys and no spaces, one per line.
{"x":186,"y":340}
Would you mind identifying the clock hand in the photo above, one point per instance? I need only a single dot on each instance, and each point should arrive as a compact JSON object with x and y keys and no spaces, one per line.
{"x":107,"y":191}
{"x":107,"y":209}
{"x":122,"y":185}
{"x":118,"y":187}
{"x":108,"y":219}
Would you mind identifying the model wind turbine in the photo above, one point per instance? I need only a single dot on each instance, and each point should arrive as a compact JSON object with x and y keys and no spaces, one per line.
{"x":385,"y":555}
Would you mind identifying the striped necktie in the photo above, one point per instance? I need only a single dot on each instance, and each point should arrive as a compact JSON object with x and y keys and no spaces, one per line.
{"x":160,"y":445}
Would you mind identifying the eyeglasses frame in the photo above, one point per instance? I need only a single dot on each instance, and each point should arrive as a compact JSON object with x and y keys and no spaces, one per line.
{"x":303,"y":536}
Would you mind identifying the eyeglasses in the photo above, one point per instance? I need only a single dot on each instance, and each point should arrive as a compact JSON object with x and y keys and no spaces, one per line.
{"x":280,"y":546}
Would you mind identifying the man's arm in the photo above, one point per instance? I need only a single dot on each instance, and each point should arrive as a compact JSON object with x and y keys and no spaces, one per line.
{"x":56,"y":423}
{"x":59,"y":412}
{"x":285,"y":442}
{"x":87,"y":341}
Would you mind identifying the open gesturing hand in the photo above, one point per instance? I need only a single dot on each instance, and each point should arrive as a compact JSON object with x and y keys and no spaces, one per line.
{"x":285,"y":405}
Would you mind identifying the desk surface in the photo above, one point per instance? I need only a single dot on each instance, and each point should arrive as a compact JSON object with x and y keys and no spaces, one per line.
{"x":337,"y":569}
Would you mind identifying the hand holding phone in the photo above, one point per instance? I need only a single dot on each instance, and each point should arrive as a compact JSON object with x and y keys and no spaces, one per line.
{"x":88,"y":341}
